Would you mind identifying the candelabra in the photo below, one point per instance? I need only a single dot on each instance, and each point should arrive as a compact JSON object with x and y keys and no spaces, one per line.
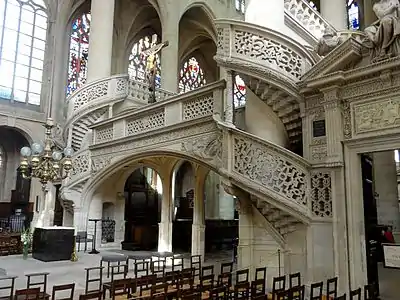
{"x":44,"y":162}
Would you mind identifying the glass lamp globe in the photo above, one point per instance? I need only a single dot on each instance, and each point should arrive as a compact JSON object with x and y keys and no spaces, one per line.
{"x":57,"y":155}
{"x":26,"y":151}
{"x":68,"y":151}
{"x":37,"y":148}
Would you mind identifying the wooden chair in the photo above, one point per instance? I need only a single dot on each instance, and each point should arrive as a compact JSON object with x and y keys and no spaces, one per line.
{"x":282,"y":295}
{"x":206,"y":283}
{"x":145,"y":283}
{"x":261,"y":273}
{"x":207,"y":270}
{"x":28,"y":294}
{"x":41,"y":283}
{"x":141,"y":268}
{"x":90,"y":280}
{"x":316,"y":290}
{"x":177,"y":263}
{"x":259,"y":297}
{"x":10,"y":286}
{"x":91,"y":296}
{"x":157,"y":267}
{"x":297,"y":292}
{"x":62,"y":288}
{"x":83,"y":237}
{"x":278,"y":286}
{"x":225,"y":279}
{"x":257,"y":288}
{"x":219,"y":293}
{"x":242,"y":276}
{"x":121,"y":287}
{"x":161,"y":288}
{"x":195,"y":263}
{"x":226,"y":267}
{"x":241,"y":291}
{"x":355,"y":294}
{"x":331,"y":288}
{"x":115,"y":271}
{"x":343,"y":297}
{"x":294,"y":280}
{"x":193,"y":296}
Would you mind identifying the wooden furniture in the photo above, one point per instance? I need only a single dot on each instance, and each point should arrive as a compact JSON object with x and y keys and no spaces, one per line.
{"x":42,"y":283}
{"x":10,"y":243}
{"x":91,"y":296}
{"x":7,"y":286}
{"x":28,"y":294}
{"x":114,"y":258}
{"x":61,"y":288}
{"x":89,"y":280}
{"x":85,"y":238}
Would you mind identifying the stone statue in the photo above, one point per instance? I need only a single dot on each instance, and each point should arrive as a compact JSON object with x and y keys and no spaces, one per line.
{"x":329,"y":41}
{"x":383,"y":35}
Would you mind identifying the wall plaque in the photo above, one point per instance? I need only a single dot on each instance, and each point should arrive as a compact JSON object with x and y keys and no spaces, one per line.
{"x":319,"y":128}
{"x":391,"y":256}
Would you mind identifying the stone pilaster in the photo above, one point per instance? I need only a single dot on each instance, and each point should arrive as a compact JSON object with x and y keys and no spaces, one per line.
{"x":101,"y":39}
{"x":333,"y":122}
{"x":165,"y":226}
{"x":228,"y":99}
{"x":45,"y":216}
{"x":170,"y":56}
{"x":198,"y":226}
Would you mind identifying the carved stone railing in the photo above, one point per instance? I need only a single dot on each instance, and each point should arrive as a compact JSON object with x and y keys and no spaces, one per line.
{"x":256,"y":48}
{"x":204,"y":102}
{"x":81,"y":167}
{"x":139,"y":91}
{"x":299,"y":14}
{"x":267,"y":168}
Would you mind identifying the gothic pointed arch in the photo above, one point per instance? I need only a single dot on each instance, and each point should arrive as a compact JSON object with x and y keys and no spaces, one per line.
{"x":78,"y":52}
{"x":23,"y":34}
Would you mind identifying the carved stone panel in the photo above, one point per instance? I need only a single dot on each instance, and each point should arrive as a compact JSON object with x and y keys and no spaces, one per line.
{"x":321,"y":195}
{"x":207,"y":148}
{"x":375,"y":116}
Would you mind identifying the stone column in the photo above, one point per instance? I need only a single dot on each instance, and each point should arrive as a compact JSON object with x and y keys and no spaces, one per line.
{"x":335,"y":12}
{"x":101,"y":39}
{"x":228,"y":97}
{"x":245,"y":246}
{"x":165,"y":226}
{"x":198,"y":226}
{"x":385,"y":188}
{"x":170,"y":57}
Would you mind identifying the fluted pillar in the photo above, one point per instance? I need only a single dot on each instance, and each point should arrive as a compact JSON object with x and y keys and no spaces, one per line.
{"x":335,"y":12}
{"x":165,"y":226}
{"x":101,"y":39}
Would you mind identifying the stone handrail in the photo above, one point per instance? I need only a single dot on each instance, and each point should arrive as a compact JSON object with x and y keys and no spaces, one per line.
{"x":267,"y":168}
{"x":261,"y":47}
{"x":140,"y":91}
{"x":300,"y":12}
{"x":203,"y":102}
{"x":81,"y":167}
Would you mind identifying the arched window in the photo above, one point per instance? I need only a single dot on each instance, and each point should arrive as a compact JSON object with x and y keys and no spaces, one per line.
{"x":22,"y":44}
{"x":239,"y":92}
{"x":78,"y":53}
{"x":191,"y":76}
{"x":138,"y":61}
{"x":353,"y":14}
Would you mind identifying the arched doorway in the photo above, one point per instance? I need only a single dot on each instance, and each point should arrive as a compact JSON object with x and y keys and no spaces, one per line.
{"x":183,"y":188}
{"x":143,"y":195}
{"x":14,"y":189}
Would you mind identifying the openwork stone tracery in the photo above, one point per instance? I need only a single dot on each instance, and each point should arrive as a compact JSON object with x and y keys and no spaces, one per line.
{"x":321,"y":194}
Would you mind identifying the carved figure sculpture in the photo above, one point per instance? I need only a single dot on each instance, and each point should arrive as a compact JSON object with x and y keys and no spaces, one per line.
{"x":329,"y":41}
{"x":383,"y":36}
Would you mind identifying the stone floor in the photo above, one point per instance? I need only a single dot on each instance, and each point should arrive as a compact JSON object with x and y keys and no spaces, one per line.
{"x":66,"y":272}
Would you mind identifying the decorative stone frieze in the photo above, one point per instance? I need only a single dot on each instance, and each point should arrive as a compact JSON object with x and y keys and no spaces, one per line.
{"x":206,"y":148}
{"x":321,"y":194}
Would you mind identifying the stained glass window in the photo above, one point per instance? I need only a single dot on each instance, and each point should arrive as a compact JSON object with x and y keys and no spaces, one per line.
{"x":191,"y":76}
{"x":22,"y":43}
{"x":240,"y":5}
{"x":239,"y":92}
{"x":78,"y":53}
{"x":138,"y":61}
{"x":353,"y":14}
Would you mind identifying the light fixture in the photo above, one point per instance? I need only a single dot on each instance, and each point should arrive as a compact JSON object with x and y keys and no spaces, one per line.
{"x":44,"y":162}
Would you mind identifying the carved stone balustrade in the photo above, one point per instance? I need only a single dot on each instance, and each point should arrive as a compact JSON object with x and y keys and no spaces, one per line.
{"x":81,"y":167}
{"x":205,"y":102}
{"x":257,"y":50}
{"x":267,"y":170}
{"x":305,"y":20}
{"x":139,"y":91}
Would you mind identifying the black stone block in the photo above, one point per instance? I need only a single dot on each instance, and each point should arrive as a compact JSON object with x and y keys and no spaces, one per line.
{"x":53,"y":244}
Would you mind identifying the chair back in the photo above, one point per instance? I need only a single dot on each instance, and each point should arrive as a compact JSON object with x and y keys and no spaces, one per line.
{"x":141,"y":267}
{"x":207,"y":270}
{"x":258,"y":287}
{"x":331,"y":287}
{"x":29,"y":293}
{"x":10,"y":286}
{"x":242,"y":276}
{"x":226,"y":267}
{"x":261,"y":273}
{"x":195,"y":263}
{"x":283,"y":295}
{"x":294,"y":280}
{"x":370,"y":292}
{"x":91,"y":296}
{"x":194,"y":296}
{"x":242,"y":290}
{"x":42,"y":277}
{"x":120,"y":287}
{"x":278,"y":284}
{"x":316,"y":290}
{"x":219,"y":293}
{"x":177,"y":263}
{"x":158,"y":267}
{"x":63,"y":288}
{"x":355,"y":294}
{"x":297,"y":292}
{"x":206,"y":282}
{"x":225,"y":279}
{"x":343,"y":297}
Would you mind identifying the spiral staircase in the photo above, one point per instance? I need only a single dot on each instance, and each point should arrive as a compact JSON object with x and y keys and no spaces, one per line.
{"x":276,"y":180}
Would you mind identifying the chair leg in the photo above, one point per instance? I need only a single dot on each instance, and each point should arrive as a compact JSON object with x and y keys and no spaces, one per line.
{"x":85,"y":245}
{"x":108,"y":269}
